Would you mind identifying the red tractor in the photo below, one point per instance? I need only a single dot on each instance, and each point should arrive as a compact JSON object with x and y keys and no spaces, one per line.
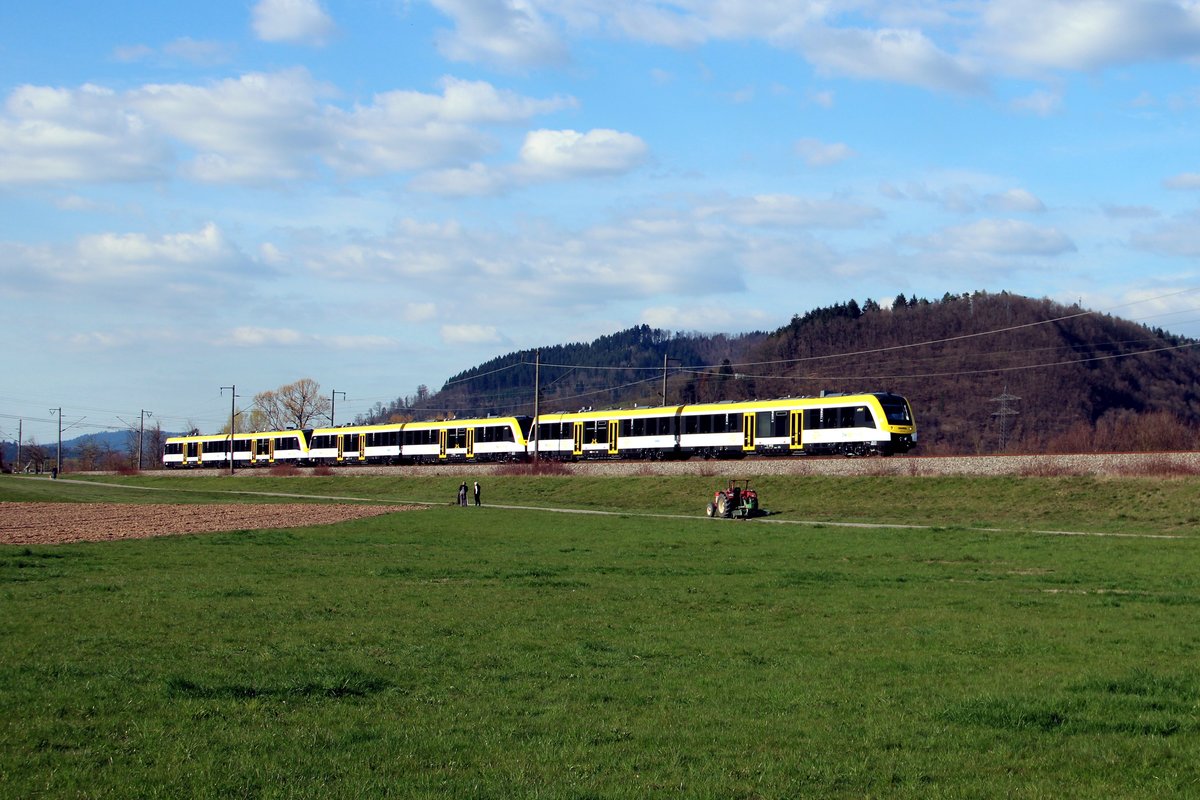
{"x":738,"y":500}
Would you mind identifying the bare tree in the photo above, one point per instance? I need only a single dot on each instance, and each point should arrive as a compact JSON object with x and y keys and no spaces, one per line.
{"x":152,"y":446}
{"x":295,"y":405}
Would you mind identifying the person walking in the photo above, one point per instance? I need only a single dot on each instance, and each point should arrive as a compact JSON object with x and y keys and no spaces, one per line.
{"x":477,"y":501}
{"x":462,"y":494}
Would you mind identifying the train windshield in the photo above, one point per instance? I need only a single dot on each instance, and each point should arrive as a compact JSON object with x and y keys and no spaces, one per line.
{"x":896,"y":409}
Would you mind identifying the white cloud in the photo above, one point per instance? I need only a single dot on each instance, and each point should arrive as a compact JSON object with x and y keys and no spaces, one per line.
{"x":1179,"y":237}
{"x":1042,"y":102}
{"x":477,"y":180}
{"x":118,"y":262}
{"x":565,"y":153}
{"x":1004,"y":237}
{"x":295,"y":21}
{"x":1088,"y":34}
{"x":260,"y":128}
{"x":962,"y":197}
{"x":200,"y":52}
{"x":1129,"y":212}
{"x":407,"y":130}
{"x":470,"y":334}
{"x":1014,"y":201}
{"x":419,"y":312}
{"x":506,"y":33}
{"x":780,"y":210}
{"x":248,"y":336}
{"x":706,"y":318}
{"x":85,"y":134}
{"x":819,"y":154}
{"x":1185,"y":180}
{"x":899,"y":55}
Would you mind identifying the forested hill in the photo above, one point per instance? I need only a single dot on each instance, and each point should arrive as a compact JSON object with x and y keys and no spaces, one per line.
{"x":619,"y":369}
{"x":998,"y":372}
{"x":983,"y":372}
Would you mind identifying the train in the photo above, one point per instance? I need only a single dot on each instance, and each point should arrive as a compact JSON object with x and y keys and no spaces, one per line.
{"x":879,"y":423}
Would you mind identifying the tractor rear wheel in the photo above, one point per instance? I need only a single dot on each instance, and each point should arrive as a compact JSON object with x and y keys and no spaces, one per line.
{"x":724,"y":506}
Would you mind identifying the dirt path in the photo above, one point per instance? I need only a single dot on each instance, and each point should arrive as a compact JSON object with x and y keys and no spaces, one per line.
{"x":58,"y":523}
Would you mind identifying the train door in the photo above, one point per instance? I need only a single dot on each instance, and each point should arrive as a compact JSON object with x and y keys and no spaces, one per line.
{"x":442,"y":436}
{"x":749,"y":426}
{"x":341,"y":448}
{"x":796,"y":431}
{"x":193,"y":453}
{"x":614,"y":427}
{"x":470,"y":442}
{"x":578,"y":446}
{"x":362,"y":446}
{"x":271,"y":450}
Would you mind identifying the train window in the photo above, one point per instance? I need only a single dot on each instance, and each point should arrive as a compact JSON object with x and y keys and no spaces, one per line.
{"x":895,"y":409}
{"x":639,"y":427}
{"x":862,"y":418}
{"x":691,"y":425}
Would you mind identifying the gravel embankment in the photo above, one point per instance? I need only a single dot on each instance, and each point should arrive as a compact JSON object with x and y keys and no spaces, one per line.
{"x":1129,"y":464}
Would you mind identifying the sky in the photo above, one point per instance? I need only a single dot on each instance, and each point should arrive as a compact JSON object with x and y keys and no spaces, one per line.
{"x":379,"y":194}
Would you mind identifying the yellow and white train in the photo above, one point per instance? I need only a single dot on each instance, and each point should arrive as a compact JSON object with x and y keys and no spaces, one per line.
{"x":833,"y":424}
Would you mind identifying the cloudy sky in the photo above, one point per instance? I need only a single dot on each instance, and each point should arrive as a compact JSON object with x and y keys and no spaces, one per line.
{"x":377,"y":194}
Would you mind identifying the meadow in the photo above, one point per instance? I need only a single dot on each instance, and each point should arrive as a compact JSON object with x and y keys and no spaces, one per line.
{"x":508,"y":652}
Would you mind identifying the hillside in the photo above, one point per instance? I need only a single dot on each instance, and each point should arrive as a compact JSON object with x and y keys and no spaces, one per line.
{"x":983,"y":372}
{"x":620,"y":369}
{"x":1000,"y":372}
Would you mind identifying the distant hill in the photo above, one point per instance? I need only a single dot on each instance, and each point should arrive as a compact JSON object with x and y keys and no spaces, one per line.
{"x":984,"y":373}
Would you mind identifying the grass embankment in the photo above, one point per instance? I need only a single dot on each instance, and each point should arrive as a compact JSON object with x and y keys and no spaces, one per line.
{"x":500,"y":653}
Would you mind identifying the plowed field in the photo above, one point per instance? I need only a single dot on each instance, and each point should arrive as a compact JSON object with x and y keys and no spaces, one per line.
{"x":57,"y":523}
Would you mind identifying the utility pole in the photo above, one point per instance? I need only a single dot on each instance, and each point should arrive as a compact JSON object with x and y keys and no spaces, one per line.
{"x":20,"y":425}
{"x":142,"y":434}
{"x":537,"y":395}
{"x":664,"y":391}
{"x":333,"y":404}
{"x":58,"y":455}
{"x":232,"y":407}
{"x":664,"y":386}
{"x":1004,"y":412}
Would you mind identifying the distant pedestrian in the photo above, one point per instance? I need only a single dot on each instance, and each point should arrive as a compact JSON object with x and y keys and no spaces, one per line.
{"x":462,"y":494}
{"x":477,"y":501}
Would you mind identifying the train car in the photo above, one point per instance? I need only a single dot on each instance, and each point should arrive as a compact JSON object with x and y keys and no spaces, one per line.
{"x":491,"y":439}
{"x":249,"y":449}
{"x":851,"y":425}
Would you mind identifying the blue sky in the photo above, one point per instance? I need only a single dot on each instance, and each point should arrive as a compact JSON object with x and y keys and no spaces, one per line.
{"x":377,"y":194}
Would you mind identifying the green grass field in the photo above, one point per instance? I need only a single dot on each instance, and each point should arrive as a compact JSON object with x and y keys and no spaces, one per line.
{"x":515,"y":653}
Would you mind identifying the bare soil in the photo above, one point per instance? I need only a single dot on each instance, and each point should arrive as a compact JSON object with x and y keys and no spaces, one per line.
{"x":59,"y":523}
